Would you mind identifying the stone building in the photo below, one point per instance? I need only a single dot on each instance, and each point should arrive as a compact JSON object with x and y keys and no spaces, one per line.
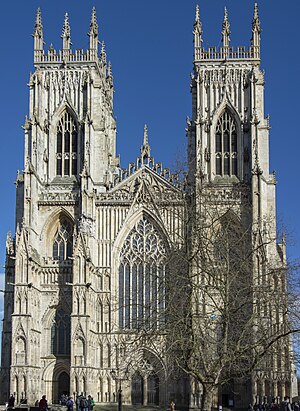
{"x":89,"y":232}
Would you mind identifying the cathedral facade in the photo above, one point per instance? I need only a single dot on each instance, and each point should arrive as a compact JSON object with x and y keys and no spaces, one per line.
{"x":89,"y":233}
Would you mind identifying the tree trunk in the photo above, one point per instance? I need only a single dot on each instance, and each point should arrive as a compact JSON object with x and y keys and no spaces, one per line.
{"x":207,"y":398}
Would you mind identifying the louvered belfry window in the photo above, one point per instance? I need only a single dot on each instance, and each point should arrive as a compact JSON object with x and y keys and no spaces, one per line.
{"x":66,"y":146}
{"x":226,"y":146}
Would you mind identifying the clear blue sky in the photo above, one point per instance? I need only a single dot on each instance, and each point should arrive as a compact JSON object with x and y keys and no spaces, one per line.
{"x":150,"y":46}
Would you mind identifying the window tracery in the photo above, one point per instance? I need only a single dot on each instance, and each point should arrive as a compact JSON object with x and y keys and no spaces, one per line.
{"x":142,"y":278}
{"x":66,"y":146}
{"x":63,"y":244}
{"x":60,"y":333}
{"x":226,"y":150}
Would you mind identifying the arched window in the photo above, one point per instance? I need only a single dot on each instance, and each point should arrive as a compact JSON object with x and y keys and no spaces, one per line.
{"x":66,"y":146}
{"x":226,"y":146}
{"x":63,"y":244}
{"x":142,"y":278}
{"x":60,"y":333}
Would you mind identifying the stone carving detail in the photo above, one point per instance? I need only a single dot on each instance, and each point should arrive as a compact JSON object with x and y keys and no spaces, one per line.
{"x":54,"y":197}
{"x":87,"y":226}
{"x":10,"y":246}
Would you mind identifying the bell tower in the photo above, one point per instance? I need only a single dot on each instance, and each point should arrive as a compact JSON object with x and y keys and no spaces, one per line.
{"x":228,"y":157}
{"x":228,"y":133}
{"x":71,"y":122}
{"x":69,"y":158}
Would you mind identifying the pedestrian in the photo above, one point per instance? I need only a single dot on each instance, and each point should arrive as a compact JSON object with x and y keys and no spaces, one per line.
{"x":83,"y":404}
{"x":11,"y":402}
{"x":91,"y":403}
{"x":172,"y":405}
{"x":70,"y":404}
{"x":285,"y":405}
{"x":43,"y":405}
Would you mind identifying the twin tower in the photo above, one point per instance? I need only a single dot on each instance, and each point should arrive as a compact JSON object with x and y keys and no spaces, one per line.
{"x":89,"y":232}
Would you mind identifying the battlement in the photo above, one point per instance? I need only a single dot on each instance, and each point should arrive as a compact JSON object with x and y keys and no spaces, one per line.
{"x":52,"y":56}
{"x":227,"y":53}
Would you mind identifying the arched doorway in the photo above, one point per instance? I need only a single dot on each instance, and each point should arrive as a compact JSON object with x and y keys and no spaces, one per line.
{"x":63,"y":384}
{"x":137,"y":389}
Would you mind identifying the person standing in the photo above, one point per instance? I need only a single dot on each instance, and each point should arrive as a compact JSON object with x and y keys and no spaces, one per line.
{"x":70,"y":404}
{"x":11,"y":402}
{"x":43,"y":404}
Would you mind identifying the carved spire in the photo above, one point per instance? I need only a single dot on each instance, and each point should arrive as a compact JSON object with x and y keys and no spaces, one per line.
{"x":197,"y":32}
{"x":103,"y":53}
{"x":225,"y":29}
{"x":38,"y":34}
{"x":256,"y":30}
{"x":145,"y":149}
{"x":93,"y":33}
{"x":66,"y":34}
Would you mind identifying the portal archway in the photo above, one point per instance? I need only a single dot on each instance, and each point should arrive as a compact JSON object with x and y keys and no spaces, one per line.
{"x":63,"y":384}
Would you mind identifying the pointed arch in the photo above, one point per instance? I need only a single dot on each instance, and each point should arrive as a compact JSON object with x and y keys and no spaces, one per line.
{"x":66,"y":129}
{"x":129,"y":223}
{"x":53,"y":232}
{"x":60,"y":333}
{"x":142,"y":261}
{"x":231,"y":252}
{"x":226,"y":141}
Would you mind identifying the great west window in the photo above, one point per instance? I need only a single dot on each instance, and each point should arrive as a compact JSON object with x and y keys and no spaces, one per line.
{"x":142,"y":273}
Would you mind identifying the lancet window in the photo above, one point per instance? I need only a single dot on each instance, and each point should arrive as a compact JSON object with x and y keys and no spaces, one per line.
{"x":226,"y":150}
{"x":142,"y":271}
{"x":62,"y":244}
{"x":66,"y":146}
{"x":60,"y":333}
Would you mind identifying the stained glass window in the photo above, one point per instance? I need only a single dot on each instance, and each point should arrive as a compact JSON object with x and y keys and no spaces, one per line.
{"x":142,"y":273}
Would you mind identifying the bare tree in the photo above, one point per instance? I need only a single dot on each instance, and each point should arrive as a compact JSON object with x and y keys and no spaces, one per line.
{"x":236,"y":313}
{"x":228,"y":310}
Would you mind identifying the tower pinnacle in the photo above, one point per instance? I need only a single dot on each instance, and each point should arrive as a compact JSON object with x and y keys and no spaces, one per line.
{"x":66,"y":34}
{"x":256,"y":30}
{"x":93,"y":34}
{"x":145,"y":149}
{"x":225,"y":30}
{"x":197,"y":32}
{"x":38,"y":34}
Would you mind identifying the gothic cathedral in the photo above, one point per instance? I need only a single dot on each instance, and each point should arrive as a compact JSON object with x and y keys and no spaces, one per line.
{"x":89,"y":233}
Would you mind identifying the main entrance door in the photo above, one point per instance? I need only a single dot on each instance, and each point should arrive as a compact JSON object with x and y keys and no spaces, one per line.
{"x":63,"y":384}
{"x":137,"y":389}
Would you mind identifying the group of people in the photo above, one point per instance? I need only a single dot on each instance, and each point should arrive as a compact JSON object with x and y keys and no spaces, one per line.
{"x":84,"y":403}
{"x":284,"y":405}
